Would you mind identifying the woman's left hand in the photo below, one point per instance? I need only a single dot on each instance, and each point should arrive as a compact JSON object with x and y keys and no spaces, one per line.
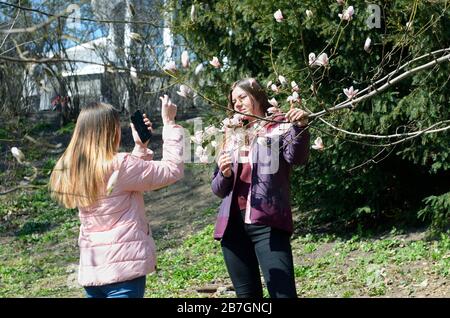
{"x":296,"y":114}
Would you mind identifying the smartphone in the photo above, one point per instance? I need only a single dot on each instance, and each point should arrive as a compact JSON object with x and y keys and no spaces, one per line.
{"x":140,"y":126}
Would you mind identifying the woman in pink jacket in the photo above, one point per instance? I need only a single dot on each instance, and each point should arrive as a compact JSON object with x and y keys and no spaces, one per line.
{"x":117,"y":250}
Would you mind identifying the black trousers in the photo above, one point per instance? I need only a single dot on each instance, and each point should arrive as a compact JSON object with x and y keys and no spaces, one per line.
{"x":246,"y":247}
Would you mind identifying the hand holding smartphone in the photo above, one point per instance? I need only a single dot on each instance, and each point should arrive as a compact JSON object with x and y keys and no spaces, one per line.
{"x":142,"y":129}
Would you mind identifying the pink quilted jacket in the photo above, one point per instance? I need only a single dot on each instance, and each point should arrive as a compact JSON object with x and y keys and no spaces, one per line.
{"x":115,"y":239}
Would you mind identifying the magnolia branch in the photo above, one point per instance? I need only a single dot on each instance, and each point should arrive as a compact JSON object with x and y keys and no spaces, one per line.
{"x":428,"y":130}
{"x":373,"y":159}
{"x":433,"y":54}
{"x":349,"y":103}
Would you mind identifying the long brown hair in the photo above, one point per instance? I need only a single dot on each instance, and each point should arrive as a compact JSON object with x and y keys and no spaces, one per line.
{"x":78,"y":178}
{"x":254,"y":90}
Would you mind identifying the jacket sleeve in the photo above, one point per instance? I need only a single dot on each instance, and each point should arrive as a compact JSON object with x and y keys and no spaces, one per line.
{"x":140,"y":173}
{"x":295,"y":145}
{"x":220,"y":185}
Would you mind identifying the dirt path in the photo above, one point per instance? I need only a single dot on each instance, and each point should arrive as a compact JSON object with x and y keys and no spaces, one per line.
{"x":182,"y":208}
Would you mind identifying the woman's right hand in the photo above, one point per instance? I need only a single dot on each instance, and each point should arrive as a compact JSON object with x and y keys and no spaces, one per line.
{"x":168,"y":110}
{"x":224,"y":163}
{"x":136,"y":138}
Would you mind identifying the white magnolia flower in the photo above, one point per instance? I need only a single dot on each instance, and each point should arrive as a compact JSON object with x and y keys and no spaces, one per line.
{"x":278,"y":15}
{"x":215,"y":62}
{"x":347,"y":14}
{"x":112,"y":182}
{"x":237,"y":119}
{"x":18,"y":154}
{"x":273,"y":102}
{"x":198,"y":137}
{"x":198,"y":69}
{"x":318,"y":144}
{"x":309,"y":13}
{"x":282,"y":80}
{"x":294,"y":98}
{"x":321,"y":60}
{"x":269,"y":84}
{"x":311,"y":58}
{"x":367,"y":45}
{"x":210,"y":131}
{"x":199,"y":151}
{"x":193,"y":13}
{"x":202,"y":154}
{"x":350,"y":92}
{"x":185,"y":59}
{"x":185,"y":91}
{"x":294,"y":86}
{"x":170,"y":66}
{"x":226,"y":122}
{"x":273,"y":110}
{"x":133,"y":75}
{"x":274,"y":88}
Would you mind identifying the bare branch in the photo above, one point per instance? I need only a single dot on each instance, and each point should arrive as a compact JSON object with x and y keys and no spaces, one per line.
{"x":12,"y":26}
{"x":43,"y":143}
{"x":33,"y":28}
{"x":350,"y":103}
{"x":428,"y":130}
{"x":27,"y":186}
{"x":81,"y":19}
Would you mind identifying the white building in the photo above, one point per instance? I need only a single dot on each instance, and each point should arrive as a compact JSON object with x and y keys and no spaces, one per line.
{"x":93,"y":80}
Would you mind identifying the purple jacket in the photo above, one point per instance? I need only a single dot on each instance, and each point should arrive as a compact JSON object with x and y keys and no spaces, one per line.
{"x":269,"y":195}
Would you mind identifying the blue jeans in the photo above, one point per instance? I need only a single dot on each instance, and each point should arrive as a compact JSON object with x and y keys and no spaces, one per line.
{"x":134,"y":288}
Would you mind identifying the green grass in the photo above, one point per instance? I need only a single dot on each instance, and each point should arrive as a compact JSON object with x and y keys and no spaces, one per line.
{"x":38,"y":253}
{"x":368,"y":267}
{"x":38,"y":244}
{"x":198,"y":261}
{"x":67,"y":129}
{"x":39,"y":127}
{"x":39,"y":257}
{"x":4,"y":134}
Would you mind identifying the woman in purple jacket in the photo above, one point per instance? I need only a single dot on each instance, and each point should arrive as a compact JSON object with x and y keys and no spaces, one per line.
{"x":254,"y":222}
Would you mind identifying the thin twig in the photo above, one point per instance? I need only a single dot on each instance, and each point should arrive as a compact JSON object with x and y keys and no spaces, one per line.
{"x":414,"y":133}
{"x":61,"y":15}
{"x":350,"y":102}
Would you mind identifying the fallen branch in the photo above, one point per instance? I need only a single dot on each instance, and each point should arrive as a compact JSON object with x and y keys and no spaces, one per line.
{"x":43,"y":143}
{"x":26,"y":186}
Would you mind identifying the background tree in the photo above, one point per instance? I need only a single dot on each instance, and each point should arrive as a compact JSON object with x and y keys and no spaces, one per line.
{"x":380,"y":163}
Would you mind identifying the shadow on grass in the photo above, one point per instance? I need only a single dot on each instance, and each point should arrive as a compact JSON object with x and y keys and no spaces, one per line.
{"x":32,"y":227}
